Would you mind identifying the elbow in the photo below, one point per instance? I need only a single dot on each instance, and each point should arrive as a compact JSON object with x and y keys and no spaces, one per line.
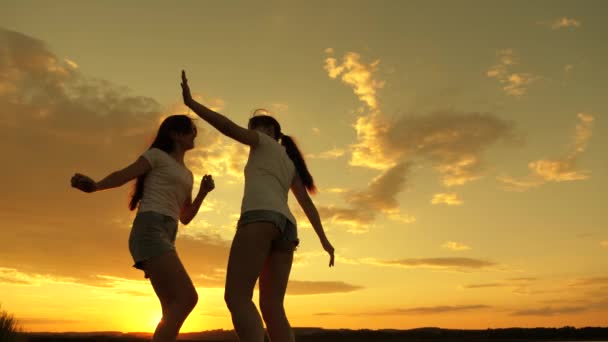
{"x":185,"y":217}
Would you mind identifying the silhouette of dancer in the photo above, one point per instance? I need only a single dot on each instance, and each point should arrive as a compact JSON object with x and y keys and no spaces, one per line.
{"x":163,"y":193}
{"x":266,"y":234}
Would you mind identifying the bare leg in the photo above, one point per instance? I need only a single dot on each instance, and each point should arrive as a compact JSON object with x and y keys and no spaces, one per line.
{"x":273,"y":284}
{"x":249,"y":250}
{"x":175,"y":291}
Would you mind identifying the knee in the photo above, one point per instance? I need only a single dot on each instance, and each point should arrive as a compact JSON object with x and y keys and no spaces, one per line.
{"x":230,"y":299}
{"x":192,"y":300}
{"x":234,"y":301}
{"x":188,"y":301}
{"x":272,"y":310}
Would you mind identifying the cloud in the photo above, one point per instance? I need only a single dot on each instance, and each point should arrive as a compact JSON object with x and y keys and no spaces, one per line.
{"x":451,"y":141}
{"x":550,"y":311}
{"x":455,"y":246}
{"x":364,"y":205}
{"x":558,"y":169}
{"x":334,"y":153}
{"x":513,"y":83}
{"x":440,"y":309}
{"x":213,"y":152}
{"x":422,"y":310}
{"x":56,"y":121}
{"x":565,"y":22}
{"x":29,"y":321}
{"x":280,"y":107}
{"x":519,"y":285}
{"x":71,"y":64}
{"x":523,"y":279}
{"x":486,"y":285}
{"x":592,"y":281}
{"x":300,"y":287}
{"x":568,"y":69}
{"x":455,"y":264}
{"x":357,"y":75}
{"x":446,"y":198}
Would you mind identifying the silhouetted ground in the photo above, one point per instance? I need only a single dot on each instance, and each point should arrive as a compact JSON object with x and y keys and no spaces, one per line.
{"x":344,"y":335}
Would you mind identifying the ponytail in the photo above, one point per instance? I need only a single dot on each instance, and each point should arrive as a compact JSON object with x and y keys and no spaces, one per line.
{"x":290,"y":147}
{"x":296,"y":157}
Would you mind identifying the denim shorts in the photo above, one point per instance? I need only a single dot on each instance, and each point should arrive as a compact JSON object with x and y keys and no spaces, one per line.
{"x":288,"y":237}
{"x":152,"y":234}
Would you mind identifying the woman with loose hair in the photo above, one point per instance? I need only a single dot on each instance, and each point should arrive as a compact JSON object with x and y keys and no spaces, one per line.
{"x":266,"y":234}
{"x":163,"y":195}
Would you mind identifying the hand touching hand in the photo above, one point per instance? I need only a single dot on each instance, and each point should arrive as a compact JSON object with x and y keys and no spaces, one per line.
{"x":207,"y":184}
{"x":83,"y":183}
{"x":185,"y":89}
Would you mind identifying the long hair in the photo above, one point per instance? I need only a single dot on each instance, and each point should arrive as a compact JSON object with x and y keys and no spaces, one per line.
{"x":290,"y":147}
{"x":181,"y":124}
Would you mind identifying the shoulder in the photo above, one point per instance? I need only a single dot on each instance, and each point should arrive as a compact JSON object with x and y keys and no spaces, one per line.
{"x":154,"y":156}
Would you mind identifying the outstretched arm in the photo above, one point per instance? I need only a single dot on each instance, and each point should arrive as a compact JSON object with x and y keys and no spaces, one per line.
{"x":190,"y":208}
{"x":311,"y":212}
{"x":113,"y":180}
{"x":217,"y":120}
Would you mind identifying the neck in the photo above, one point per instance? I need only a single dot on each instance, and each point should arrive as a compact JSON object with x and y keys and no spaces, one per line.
{"x":178,"y":153}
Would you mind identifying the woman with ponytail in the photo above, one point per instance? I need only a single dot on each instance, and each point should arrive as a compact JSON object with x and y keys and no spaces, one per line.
{"x":163,"y":195}
{"x":266,"y":234}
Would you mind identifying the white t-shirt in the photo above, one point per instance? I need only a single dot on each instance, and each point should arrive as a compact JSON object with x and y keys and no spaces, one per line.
{"x":268,"y":176}
{"x":166,"y":185}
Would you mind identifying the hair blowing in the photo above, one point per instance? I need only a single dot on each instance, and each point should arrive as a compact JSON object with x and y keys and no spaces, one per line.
{"x":290,"y":147}
{"x":180,"y":124}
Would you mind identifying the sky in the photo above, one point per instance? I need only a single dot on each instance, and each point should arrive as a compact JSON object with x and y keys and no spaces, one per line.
{"x":457,"y":148}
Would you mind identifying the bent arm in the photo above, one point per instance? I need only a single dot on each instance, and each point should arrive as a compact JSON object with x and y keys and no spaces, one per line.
{"x":190,"y":208}
{"x":120,"y":177}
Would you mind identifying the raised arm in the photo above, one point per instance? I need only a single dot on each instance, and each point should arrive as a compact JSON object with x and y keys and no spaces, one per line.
{"x":311,"y":212}
{"x":217,"y":120}
{"x":113,"y":180}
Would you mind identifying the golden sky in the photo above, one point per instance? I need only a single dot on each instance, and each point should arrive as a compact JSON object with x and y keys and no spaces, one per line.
{"x":457,"y":147}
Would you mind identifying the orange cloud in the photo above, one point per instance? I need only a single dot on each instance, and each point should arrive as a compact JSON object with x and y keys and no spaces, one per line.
{"x":446,"y":198}
{"x":364,"y":205}
{"x":455,"y":246}
{"x":565,"y":22}
{"x":357,"y":75}
{"x":90,"y":126}
{"x":514,"y":83}
{"x":451,"y":141}
{"x":550,"y":311}
{"x":559,"y":169}
{"x":334,"y":153}
{"x":300,"y":287}
{"x":422,"y":310}
{"x":455,"y":264}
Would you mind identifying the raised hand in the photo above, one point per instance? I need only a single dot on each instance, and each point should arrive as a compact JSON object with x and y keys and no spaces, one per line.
{"x":185,"y":89}
{"x":207,"y":184}
{"x":330,"y":250}
{"x":83,"y":183}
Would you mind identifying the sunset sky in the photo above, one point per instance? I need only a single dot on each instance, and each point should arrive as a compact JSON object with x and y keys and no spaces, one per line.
{"x":459,"y":148}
